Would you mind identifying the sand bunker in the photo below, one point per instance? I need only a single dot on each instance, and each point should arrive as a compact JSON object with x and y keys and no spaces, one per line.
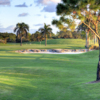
{"x":53,"y":51}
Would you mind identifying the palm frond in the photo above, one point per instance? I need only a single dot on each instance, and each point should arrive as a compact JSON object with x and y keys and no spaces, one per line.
{"x":15,"y":29}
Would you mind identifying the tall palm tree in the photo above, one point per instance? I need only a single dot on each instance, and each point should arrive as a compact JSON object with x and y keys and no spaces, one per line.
{"x":21,"y":30}
{"x":46,"y":30}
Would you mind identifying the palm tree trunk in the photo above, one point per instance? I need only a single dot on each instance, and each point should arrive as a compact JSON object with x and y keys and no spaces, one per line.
{"x":45,"y":39}
{"x":21,"y":41}
{"x":16,"y":39}
{"x":98,"y":67}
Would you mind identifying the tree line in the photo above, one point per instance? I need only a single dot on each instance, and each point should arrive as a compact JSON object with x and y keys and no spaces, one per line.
{"x":7,"y":37}
{"x":37,"y":36}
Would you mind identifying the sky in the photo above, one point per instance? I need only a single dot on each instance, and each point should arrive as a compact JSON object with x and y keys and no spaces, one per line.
{"x":32,"y":12}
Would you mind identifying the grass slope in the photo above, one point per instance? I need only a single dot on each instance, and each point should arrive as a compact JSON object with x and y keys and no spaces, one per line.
{"x":48,"y":77}
{"x":51,"y":44}
{"x":63,"y":41}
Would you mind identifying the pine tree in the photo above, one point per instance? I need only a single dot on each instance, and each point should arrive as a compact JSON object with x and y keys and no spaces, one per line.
{"x":88,"y":12}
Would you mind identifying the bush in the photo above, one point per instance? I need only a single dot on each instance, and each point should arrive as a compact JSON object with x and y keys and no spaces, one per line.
{"x":94,"y":47}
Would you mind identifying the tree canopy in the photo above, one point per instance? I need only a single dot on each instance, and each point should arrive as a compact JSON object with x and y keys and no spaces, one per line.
{"x":46,"y":30}
{"x":21,"y":30}
{"x":84,"y":10}
{"x":87,"y":11}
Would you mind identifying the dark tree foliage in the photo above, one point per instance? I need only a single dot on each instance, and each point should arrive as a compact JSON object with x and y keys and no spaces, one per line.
{"x":9,"y":37}
{"x":37,"y":36}
{"x":21,"y":30}
{"x":45,"y":31}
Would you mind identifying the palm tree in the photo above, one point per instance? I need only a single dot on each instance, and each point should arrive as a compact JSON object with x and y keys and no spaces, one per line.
{"x":46,"y":30}
{"x":21,"y":30}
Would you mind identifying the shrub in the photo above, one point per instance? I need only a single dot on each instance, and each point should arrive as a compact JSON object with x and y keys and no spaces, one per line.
{"x":94,"y":47}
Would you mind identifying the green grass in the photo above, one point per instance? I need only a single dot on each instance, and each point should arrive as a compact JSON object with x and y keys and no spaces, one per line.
{"x":62,"y":41}
{"x":51,"y":44}
{"x":47,"y":76}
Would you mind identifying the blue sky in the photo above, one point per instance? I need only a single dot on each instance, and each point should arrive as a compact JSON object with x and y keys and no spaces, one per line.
{"x":33,"y":12}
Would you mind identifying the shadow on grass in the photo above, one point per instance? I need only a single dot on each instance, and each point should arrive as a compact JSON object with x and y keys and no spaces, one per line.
{"x":17,"y":91}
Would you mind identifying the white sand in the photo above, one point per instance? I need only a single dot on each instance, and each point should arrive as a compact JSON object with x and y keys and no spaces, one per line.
{"x":49,"y":51}
{"x":54,"y":52}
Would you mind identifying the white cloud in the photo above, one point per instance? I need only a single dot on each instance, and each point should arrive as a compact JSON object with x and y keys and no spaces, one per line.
{"x":31,"y":5}
{"x":7,"y":29}
{"x":45,"y":2}
{"x":1,"y":25}
{"x":49,"y":5}
{"x":11,"y":27}
{"x":45,"y":16}
{"x":32,"y":31}
{"x":53,"y":17}
{"x":21,"y":5}
{"x":5,"y":2}
{"x":56,"y":1}
{"x":38,"y":14}
{"x":50,"y":8}
{"x":23,"y":15}
{"x":38,"y":25}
